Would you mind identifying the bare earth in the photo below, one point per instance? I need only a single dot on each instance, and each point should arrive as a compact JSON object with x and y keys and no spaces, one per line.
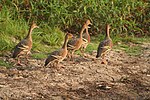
{"x":124,"y":78}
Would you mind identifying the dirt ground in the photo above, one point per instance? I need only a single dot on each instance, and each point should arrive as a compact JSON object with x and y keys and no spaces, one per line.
{"x":124,"y":78}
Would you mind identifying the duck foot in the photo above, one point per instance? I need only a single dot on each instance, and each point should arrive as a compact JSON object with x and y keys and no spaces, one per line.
{"x":104,"y":62}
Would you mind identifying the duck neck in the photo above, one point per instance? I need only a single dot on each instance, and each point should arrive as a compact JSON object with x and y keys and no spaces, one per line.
{"x":107,"y":33}
{"x":81,"y":32}
{"x":65,"y":43}
{"x":88,"y":35}
{"x":29,"y":33}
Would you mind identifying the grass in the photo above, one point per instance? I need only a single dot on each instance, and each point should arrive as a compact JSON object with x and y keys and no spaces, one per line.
{"x":134,"y":51}
{"x":39,"y":56}
{"x":131,"y":45}
{"x":91,"y":47}
{"x":5,"y":64}
{"x":125,"y":16}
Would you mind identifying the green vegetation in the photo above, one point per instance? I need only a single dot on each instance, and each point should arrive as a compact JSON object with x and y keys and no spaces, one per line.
{"x":5,"y":64}
{"x":39,"y":55}
{"x":131,"y":50}
{"x":131,"y":45}
{"x":128,"y":18}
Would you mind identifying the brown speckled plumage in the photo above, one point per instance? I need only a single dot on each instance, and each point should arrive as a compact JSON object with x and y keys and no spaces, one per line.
{"x":59,"y":55}
{"x":24,"y":46}
{"x":86,"y":37}
{"x":76,"y":43}
{"x":105,"y":45}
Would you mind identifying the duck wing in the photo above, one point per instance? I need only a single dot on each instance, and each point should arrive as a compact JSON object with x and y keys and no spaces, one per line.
{"x":103,"y":47}
{"x":71,"y":43}
{"x":20,"y":47}
{"x":56,"y":55}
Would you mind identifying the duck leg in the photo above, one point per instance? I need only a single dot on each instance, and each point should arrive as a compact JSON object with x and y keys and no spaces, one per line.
{"x":82,"y":50}
{"x":18,"y":62}
{"x":26,"y":60}
{"x":104,"y":60}
{"x":84,"y":54}
{"x":68,"y":56}
{"x":27,"y":55}
{"x":72,"y":58}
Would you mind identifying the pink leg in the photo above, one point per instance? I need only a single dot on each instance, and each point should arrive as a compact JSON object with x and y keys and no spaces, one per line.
{"x":104,"y":60}
{"x":19,"y":62}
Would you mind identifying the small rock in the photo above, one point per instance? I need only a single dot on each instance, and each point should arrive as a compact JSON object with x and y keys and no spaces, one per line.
{"x":104,"y":87}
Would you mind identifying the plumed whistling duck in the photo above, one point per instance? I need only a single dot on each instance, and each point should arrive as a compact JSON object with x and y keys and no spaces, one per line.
{"x":104,"y":46}
{"x":57,"y":56}
{"x":86,"y":38}
{"x":24,"y":46}
{"x":76,"y":43}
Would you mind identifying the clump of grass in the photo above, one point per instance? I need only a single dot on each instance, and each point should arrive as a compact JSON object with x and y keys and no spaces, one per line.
{"x":39,"y":56}
{"x":53,"y":37}
{"x":5,"y":42}
{"x":5,"y":64}
{"x":47,"y":39}
{"x":91,"y":47}
{"x":134,"y":51}
{"x":131,"y":45}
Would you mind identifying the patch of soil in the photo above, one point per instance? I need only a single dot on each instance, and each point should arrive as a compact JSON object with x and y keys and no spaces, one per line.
{"x":124,"y":78}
